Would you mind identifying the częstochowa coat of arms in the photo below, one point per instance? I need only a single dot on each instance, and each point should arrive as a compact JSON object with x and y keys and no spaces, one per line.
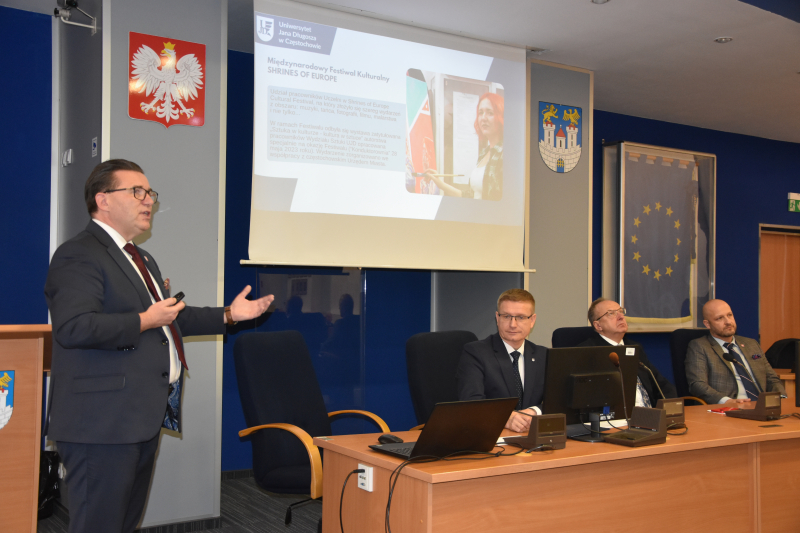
{"x":560,"y":129}
{"x":166,"y":87}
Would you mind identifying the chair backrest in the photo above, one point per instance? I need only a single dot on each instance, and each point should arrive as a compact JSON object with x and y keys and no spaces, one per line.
{"x":678,"y":344}
{"x":277,"y":383}
{"x":432,"y":360}
{"x":571,"y":337}
{"x":782,"y":354}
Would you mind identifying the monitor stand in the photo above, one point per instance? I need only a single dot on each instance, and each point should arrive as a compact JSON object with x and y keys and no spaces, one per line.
{"x":595,"y":434}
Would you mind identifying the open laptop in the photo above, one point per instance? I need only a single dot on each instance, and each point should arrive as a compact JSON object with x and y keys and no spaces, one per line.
{"x":470,"y":426}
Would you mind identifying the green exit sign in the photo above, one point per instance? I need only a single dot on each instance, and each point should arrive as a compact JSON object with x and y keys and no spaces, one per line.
{"x":794,"y":202}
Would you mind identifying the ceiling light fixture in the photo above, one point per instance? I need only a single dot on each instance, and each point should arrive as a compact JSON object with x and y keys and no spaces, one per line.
{"x":599,"y":1}
{"x":723,"y":40}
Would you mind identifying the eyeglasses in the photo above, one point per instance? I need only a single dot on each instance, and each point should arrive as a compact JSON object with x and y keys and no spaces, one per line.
{"x":519,"y":319}
{"x":139,"y":193}
{"x":613,"y":313}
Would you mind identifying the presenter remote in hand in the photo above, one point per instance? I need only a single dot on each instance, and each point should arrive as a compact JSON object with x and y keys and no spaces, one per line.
{"x":118,"y":352}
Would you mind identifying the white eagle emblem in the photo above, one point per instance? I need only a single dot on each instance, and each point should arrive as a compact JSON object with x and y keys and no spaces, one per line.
{"x":175,"y":82}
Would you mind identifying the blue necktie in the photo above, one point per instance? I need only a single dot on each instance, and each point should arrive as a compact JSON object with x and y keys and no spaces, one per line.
{"x":515,"y":355}
{"x":747,"y":382}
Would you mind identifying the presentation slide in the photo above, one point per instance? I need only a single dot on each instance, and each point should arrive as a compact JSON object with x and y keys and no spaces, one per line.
{"x":355,"y":124}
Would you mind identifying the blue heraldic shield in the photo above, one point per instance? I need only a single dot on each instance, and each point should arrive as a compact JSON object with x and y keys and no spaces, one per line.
{"x":6,"y":396}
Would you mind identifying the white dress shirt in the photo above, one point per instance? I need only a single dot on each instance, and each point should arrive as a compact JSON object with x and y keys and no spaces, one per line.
{"x":521,"y":367}
{"x":174,"y":362}
{"x":639,"y":399}
{"x":742,"y":395}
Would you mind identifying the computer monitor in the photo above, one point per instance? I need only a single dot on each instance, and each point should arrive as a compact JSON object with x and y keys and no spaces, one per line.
{"x":584,"y":384}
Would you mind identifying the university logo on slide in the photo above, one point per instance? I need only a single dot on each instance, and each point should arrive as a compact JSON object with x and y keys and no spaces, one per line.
{"x":265,"y":28}
{"x":6,"y":396}
{"x":560,"y":136}
{"x":166,"y":87}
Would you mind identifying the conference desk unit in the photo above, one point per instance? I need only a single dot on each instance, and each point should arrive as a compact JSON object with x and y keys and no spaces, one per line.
{"x":724,"y":474}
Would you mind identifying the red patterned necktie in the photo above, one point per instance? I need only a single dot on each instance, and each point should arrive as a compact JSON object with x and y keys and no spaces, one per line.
{"x":137,"y":259}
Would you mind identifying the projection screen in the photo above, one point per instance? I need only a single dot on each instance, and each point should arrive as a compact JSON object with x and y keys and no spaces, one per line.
{"x":382,"y":145}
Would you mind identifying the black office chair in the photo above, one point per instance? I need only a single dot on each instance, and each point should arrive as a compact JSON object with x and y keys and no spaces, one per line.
{"x":432,"y":360}
{"x":678,"y":344}
{"x":284,"y":409}
{"x":782,"y":354}
{"x":570,"y":337}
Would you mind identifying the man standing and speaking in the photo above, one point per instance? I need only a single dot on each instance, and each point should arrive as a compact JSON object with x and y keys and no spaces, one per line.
{"x":118,"y":354}
{"x":505,"y":364}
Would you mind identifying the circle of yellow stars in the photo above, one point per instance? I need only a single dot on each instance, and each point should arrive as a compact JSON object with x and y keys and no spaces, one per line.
{"x":646,"y":209}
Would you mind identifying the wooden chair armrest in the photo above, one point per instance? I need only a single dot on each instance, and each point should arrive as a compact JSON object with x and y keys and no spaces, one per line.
{"x":417,"y":427}
{"x":311,"y":448}
{"x":375,"y":418}
{"x":695,"y":398}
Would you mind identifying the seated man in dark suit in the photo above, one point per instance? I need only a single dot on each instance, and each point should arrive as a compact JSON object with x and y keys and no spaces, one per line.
{"x":714,"y":379}
{"x":608,"y":320}
{"x":505,"y":364}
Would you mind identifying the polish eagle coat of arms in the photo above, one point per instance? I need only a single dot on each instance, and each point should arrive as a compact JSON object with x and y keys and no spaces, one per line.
{"x":166,"y":87}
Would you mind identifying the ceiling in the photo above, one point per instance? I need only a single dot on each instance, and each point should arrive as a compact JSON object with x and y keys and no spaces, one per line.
{"x":651,"y":58}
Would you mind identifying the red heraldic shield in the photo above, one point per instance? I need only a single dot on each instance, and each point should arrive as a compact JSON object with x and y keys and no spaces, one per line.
{"x":166,"y":80}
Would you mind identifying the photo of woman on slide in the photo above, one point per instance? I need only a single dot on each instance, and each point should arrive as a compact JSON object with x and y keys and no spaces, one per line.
{"x":486,"y":180}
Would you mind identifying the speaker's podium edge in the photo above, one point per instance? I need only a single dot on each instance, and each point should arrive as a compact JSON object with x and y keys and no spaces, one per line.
{"x":25,"y":350}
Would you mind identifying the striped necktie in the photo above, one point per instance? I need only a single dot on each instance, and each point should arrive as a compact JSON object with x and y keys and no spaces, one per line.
{"x":747,"y":382}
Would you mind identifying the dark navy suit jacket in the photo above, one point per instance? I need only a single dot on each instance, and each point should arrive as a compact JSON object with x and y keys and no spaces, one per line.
{"x":109,"y":382}
{"x":485,"y":371}
{"x":644,"y":376}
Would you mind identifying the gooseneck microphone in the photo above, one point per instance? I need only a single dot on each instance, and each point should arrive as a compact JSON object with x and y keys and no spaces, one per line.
{"x":731,"y":359}
{"x":615,"y":359}
{"x":654,"y":379}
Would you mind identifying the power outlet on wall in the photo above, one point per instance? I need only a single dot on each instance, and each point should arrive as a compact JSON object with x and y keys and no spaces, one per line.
{"x":365,"y":478}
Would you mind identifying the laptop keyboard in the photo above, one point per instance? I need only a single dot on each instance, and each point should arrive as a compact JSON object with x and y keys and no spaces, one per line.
{"x":404,"y":450}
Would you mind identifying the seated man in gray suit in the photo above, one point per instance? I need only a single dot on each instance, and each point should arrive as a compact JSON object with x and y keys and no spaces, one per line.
{"x":608,"y":320}
{"x":505,"y":364}
{"x":716,"y":380}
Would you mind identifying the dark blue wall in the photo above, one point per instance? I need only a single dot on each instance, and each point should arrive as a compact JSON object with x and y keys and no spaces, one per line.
{"x":25,"y":156}
{"x":396,"y":302}
{"x":754,"y":176}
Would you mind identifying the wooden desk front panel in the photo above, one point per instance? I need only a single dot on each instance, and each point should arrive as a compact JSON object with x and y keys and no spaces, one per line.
{"x":365,"y":511}
{"x":669,"y":492}
{"x":779,"y":463}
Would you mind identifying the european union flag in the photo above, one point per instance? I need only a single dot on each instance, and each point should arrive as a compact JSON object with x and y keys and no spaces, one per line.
{"x":659,"y":229}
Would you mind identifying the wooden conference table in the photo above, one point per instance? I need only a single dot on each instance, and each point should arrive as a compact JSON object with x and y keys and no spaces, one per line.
{"x":724,"y":474}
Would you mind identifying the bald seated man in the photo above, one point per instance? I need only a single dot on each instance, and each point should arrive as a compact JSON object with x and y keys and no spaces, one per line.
{"x":718,"y":381}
